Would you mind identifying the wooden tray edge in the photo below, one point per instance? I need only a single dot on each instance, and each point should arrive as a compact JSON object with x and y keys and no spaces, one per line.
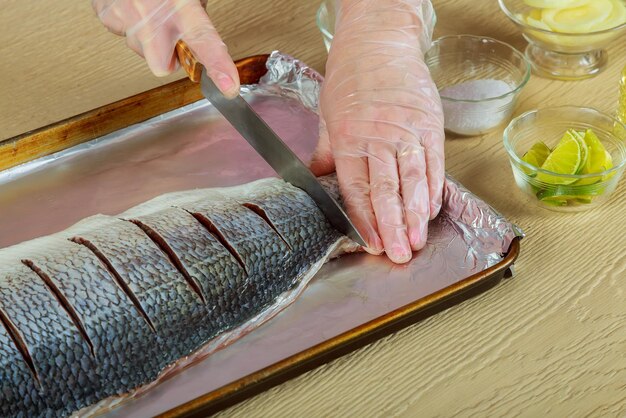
{"x":347,"y":342}
{"x":106,"y":119}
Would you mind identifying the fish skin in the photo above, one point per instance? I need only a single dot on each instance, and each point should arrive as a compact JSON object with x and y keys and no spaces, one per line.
{"x":19,"y":392}
{"x":168,"y":301}
{"x":128,"y":353}
{"x":266,"y":258}
{"x":284,"y":204}
{"x":204,"y":258}
{"x":42,"y":323}
{"x":123,"y":343}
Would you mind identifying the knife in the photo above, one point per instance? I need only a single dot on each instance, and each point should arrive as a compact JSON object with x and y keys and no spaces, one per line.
{"x":267,"y":144}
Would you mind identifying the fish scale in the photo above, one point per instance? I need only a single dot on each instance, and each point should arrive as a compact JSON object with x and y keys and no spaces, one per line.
{"x":203,"y":257}
{"x":164,"y":294}
{"x":250,"y":236}
{"x":282,"y":205}
{"x":262,"y":251}
{"x":117,"y":275}
{"x":123,"y":344}
{"x":18,"y":389}
{"x":43,"y":324}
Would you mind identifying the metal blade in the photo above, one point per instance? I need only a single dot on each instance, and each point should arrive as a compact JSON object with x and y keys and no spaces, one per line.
{"x":278,"y":155}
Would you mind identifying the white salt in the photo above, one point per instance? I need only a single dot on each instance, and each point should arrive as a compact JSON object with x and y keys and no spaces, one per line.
{"x":473,"y":118}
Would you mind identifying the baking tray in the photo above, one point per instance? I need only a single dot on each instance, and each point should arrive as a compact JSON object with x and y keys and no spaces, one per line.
{"x":78,"y":131}
{"x":279,"y":372}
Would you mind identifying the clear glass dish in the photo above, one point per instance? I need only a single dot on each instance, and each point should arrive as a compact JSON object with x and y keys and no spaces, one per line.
{"x":560,"y":55}
{"x":479,"y":81}
{"x":327,"y":12}
{"x":548,"y":125}
{"x":325,"y":20}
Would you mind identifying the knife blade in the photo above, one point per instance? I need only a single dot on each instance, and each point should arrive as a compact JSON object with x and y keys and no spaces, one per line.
{"x":269,"y":145}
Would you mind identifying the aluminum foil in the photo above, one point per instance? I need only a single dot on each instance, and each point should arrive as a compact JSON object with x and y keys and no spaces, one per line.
{"x":194,"y":147}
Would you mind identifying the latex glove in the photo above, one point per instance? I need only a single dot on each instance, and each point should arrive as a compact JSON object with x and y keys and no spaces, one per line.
{"x":152,"y":28}
{"x":382,"y":124}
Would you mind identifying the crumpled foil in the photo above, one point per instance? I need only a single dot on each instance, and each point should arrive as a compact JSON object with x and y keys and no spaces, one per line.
{"x":486,"y":231}
{"x":194,"y":147}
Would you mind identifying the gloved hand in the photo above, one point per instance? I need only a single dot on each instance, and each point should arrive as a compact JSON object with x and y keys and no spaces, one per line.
{"x":152,"y":28}
{"x":382,"y":123}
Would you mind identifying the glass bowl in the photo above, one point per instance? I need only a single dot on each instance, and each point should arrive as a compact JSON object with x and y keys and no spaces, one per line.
{"x":576,"y":192}
{"x":561,"y":55}
{"x":327,"y":12}
{"x":325,"y":20}
{"x":479,"y":80}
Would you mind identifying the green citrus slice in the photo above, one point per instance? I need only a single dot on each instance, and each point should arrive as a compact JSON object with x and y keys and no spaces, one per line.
{"x":561,"y":194}
{"x":599,"y":159}
{"x":584,"y":149}
{"x":608,"y":166}
{"x":536,"y":156}
{"x":566,"y":158}
{"x":567,"y":200}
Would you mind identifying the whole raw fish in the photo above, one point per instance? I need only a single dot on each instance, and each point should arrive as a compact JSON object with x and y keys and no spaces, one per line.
{"x":113,"y":304}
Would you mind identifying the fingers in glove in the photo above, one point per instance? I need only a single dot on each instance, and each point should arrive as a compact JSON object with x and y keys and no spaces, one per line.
{"x":203,"y":39}
{"x":387,"y":201}
{"x":108,"y":11}
{"x":153,"y":33}
{"x":435,"y":170}
{"x":353,"y":176}
{"x":322,"y":162}
{"x":158,"y":50}
{"x":412,"y":167}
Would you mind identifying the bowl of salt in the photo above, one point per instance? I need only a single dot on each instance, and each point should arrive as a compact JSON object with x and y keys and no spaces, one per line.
{"x":479,"y":80}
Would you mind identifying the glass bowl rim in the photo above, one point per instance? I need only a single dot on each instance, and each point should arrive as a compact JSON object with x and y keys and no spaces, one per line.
{"x":513,"y":155}
{"x":519,"y":85}
{"x":524,"y":25}
{"x":318,"y":20}
{"x":330,"y":36}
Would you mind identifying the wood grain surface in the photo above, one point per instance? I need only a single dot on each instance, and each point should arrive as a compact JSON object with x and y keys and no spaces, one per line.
{"x":551,"y":342}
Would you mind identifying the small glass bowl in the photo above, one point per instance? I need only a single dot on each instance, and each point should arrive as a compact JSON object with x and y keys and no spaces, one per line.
{"x":493,"y":72}
{"x":325,"y":20}
{"x":563,"y":56}
{"x":327,"y":12}
{"x":549,"y":125}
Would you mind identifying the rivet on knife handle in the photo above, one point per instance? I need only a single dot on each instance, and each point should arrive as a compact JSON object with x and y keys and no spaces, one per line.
{"x":188,"y":61}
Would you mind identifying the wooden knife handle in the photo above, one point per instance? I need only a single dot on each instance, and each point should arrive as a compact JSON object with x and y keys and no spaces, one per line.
{"x":188,"y":61}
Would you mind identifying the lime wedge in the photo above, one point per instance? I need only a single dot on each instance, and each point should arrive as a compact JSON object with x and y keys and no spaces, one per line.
{"x":555,"y":202}
{"x":584,"y":149}
{"x":553,"y":195}
{"x":536,"y":156}
{"x":566,"y":158}
{"x":575,"y":192}
{"x":568,"y":201}
{"x":598,"y":161}
{"x":608,"y":166}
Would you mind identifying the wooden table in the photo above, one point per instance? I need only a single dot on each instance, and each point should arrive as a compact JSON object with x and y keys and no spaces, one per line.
{"x":551,"y":342}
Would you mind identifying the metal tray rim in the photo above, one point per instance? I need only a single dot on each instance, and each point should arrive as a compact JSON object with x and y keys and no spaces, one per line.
{"x":351,"y":340}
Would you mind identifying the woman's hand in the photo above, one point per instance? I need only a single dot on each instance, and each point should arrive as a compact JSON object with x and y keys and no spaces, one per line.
{"x":382,"y":124}
{"x":153,"y":27}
